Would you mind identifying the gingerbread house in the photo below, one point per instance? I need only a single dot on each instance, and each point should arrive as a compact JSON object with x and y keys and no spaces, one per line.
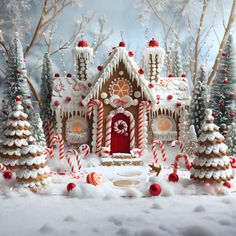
{"x":122,"y":108}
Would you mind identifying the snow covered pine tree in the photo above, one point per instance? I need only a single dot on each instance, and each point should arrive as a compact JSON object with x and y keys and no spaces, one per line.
{"x":198,"y":102}
{"x":211,"y":163}
{"x":191,"y":144}
{"x":176,"y":68}
{"x":222,"y":100}
{"x":231,"y":139}
{"x":16,"y":84}
{"x":45,"y":97}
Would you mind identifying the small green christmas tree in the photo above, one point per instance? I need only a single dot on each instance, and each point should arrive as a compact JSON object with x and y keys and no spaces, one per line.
{"x":176,"y":68}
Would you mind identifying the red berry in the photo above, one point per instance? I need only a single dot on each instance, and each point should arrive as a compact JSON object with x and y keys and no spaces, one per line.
{"x":184,"y":75}
{"x":171,"y":75}
{"x":131,"y":54}
{"x":150,"y":85}
{"x":57,"y":75}
{"x":227,"y":184}
{"x":56,"y":103}
{"x":232,"y":114}
{"x":100,"y":67}
{"x":141,"y":71}
{"x":178,"y":104}
{"x":69,"y":75}
{"x":122,"y":44}
{"x":225,"y":81}
{"x":83,"y":44}
{"x":89,"y":85}
{"x":173,"y":177}
{"x":169,"y":97}
{"x":7,"y":175}
{"x":153,"y":43}
{"x":68,"y":99}
{"x":155,"y":189}
{"x":71,"y":186}
{"x":231,"y":94}
{"x":81,"y":104}
{"x":18,"y":99}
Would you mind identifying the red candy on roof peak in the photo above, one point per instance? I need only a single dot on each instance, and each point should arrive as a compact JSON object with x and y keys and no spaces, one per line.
{"x":122,"y":44}
{"x":153,"y":43}
{"x":83,"y":44}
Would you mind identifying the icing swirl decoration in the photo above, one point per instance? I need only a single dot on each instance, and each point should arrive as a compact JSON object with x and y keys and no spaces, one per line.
{"x":120,"y":127}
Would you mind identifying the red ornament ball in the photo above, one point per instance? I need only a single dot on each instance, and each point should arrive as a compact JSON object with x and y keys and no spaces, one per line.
{"x":83,"y":44}
{"x":57,"y":75}
{"x":170,"y":75}
{"x":155,"y":189}
{"x":227,"y":184}
{"x":232,"y":95}
{"x":153,"y":43}
{"x":173,"y":177}
{"x":225,"y":81}
{"x":71,"y":186}
{"x":150,"y":85}
{"x":184,"y":75}
{"x":68,"y":99}
{"x":169,"y":97}
{"x":131,"y":54}
{"x":178,"y":104}
{"x":224,"y":54}
{"x":7,"y":175}
{"x":56,"y":103}
{"x":232,"y":114}
{"x":141,"y":71}
{"x":100,"y":67}
{"x":122,"y":44}
{"x":69,"y":75}
{"x":18,"y":99}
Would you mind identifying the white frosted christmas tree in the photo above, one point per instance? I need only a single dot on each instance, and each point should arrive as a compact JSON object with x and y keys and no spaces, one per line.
{"x":231,"y":139}
{"x":211,"y":163}
{"x":191,"y":143}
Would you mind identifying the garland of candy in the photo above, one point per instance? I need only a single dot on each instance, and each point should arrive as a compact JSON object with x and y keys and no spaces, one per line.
{"x":84,"y":149}
{"x":109,"y":127}
{"x":69,"y":153}
{"x":119,"y":123}
{"x":188,"y":164}
{"x":181,"y":145}
{"x":144,"y":108}
{"x":154,"y":150}
{"x":99,"y":105}
{"x":57,"y":138}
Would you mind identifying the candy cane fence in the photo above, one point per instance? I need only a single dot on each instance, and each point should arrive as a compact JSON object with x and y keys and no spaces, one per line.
{"x":154,"y":150}
{"x":144,"y":108}
{"x":99,"y":105}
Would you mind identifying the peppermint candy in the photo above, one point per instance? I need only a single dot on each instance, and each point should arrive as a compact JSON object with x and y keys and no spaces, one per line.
{"x":120,"y":127}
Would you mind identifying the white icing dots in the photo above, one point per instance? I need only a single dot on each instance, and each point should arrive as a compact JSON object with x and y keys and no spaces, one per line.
{"x":103,"y":95}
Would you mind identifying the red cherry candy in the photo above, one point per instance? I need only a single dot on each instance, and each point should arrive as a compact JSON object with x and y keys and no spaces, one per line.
{"x":131,"y":54}
{"x":83,"y":44}
{"x":71,"y":186}
{"x":100,"y":67}
{"x":155,"y":189}
{"x":153,"y":43}
{"x":150,"y":85}
{"x":7,"y":175}
{"x":173,"y":177}
{"x":57,"y":75}
{"x":141,"y":71}
{"x":122,"y":44}
{"x":169,"y":97}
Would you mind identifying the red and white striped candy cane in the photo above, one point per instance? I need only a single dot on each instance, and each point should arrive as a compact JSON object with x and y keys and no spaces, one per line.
{"x":99,"y":105}
{"x":162,"y":147}
{"x":51,"y":132}
{"x":84,"y":149}
{"x":58,"y":138}
{"x":233,"y":162}
{"x":49,"y":151}
{"x":188,"y":164}
{"x":78,"y":161}
{"x":144,"y":108}
{"x":181,"y":145}
{"x":3,"y":168}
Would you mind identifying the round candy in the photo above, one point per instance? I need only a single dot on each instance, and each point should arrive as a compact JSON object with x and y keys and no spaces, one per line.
{"x":71,"y":186}
{"x":173,"y":177}
{"x":94,"y":179}
{"x":155,"y":189}
{"x":7,"y":175}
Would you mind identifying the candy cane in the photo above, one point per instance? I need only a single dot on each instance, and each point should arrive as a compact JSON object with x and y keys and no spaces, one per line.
{"x":3,"y":168}
{"x":49,"y":151}
{"x":181,"y":145}
{"x":55,"y":139}
{"x":99,"y":105}
{"x":188,"y":164}
{"x":232,"y":162}
{"x":154,"y":149}
{"x":144,"y":108}
{"x":84,"y":149}
{"x":68,"y":157}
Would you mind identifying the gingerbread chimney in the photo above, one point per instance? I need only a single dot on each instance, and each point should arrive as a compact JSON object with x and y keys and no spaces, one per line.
{"x":83,"y":55}
{"x":153,"y":58}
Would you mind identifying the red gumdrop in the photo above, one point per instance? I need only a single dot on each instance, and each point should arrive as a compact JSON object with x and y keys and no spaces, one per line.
{"x":141,"y":71}
{"x":173,"y":177}
{"x":169,"y":97}
{"x":227,"y":184}
{"x":131,"y":54}
{"x":155,"y":189}
{"x":71,"y":186}
{"x":122,"y":44}
{"x":7,"y":175}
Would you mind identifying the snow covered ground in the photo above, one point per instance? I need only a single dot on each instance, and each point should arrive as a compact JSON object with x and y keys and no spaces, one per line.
{"x":183,"y":208}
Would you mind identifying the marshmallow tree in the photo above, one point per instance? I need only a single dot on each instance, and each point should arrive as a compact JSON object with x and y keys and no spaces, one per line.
{"x":46,"y":95}
{"x":16,"y":84}
{"x":222,"y":100}
{"x":198,"y":102}
{"x":231,"y":139}
{"x":211,"y":163}
{"x":191,"y":143}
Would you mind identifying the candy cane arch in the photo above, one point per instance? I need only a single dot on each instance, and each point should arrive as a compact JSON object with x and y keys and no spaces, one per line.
{"x":109,"y":127}
{"x":188,"y":164}
{"x":97,"y":134}
{"x":55,"y":139}
{"x":69,"y":153}
{"x":144,"y":108}
{"x":154,"y":150}
{"x":181,"y":145}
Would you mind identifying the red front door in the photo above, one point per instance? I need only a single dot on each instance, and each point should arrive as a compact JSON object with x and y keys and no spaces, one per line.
{"x":120,"y":136}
